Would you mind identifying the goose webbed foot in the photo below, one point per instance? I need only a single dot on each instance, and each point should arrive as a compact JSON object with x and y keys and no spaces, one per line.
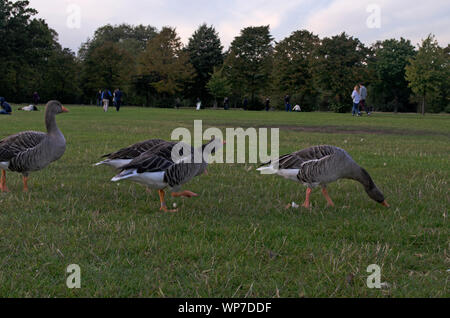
{"x":163,"y":203}
{"x":3,"y":187}
{"x":25,"y":184}
{"x":306,"y":204}
{"x":186,"y":194}
{"x":327,"y":197}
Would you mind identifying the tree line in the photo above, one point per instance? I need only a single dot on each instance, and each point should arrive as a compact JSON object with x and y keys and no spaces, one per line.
{"x":153,"y":68}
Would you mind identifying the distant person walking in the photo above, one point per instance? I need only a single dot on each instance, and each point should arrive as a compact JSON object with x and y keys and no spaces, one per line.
{"x":199,"y":103}
{"x":106,"y":95}
{"x":226,"y":103}
{"x":118,"y":98}
{"x":36,"y":98}
{"x":5,"y":107}
{"x":287,"y":102}
{"x":99,"y":97}
{"x":363,"y":94}
{"x":245,"y":103}
{"x":356,"y":97}
{"x":267,"y":104}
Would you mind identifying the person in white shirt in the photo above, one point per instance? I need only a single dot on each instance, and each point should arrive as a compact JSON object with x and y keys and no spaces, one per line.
{"x":297,"y":108}
{"x":356,"y":100}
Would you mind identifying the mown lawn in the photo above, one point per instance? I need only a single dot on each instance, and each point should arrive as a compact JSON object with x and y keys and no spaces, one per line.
{"x":236,"y":239}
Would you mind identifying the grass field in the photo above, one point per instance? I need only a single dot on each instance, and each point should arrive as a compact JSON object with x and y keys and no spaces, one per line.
{"x":236,"y":239}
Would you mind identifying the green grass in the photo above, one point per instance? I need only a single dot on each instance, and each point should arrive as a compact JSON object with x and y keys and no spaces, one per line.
{"x":236,"y":239}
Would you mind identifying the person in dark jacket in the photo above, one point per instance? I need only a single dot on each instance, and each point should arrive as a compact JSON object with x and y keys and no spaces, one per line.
{"x":106,"y":95}
{"x":36,"y":98}
{"x":5,"y":107}
{"x":287,"y":102}
{"x":118,"y":99}
{"x":245,"y":103}
{"x":267,"y":104}
{"x":99,"y":97}
{"x":226,"y":103}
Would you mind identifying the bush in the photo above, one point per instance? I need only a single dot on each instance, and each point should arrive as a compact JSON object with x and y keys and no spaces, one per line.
{"x":340,"y":108}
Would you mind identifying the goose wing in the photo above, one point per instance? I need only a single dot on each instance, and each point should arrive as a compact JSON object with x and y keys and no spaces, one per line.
{"x":135,"y":150}
{"x":148,"y":162}
{"x":13,"y":146}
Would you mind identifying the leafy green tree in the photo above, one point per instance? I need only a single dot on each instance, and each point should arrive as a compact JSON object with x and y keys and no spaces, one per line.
{"x":341,"y":64}
{"x":205,"y":53}
{"x":61,"y":80}
{"x":428,"y":75}
{"x":390,"y":86}
{"x":218,"y":86}
{"x":248,"y":65}
{"x":26,"y":43}
{"x":108,"y":66}
{"x":167,"y":63}
{"x":294,"y":59}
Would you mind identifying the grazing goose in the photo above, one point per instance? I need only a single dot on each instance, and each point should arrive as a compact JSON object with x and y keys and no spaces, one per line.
{"x":157,"y":170}
{"x":32,"y":151}
{"x":320,"y":165}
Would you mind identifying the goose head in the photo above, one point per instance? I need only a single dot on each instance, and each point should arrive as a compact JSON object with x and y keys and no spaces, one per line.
{"x":376,"y":195}
{"x":54,"y":108}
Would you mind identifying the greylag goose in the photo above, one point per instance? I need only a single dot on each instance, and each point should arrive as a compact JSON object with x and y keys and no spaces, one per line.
{"x":158,"y":171}
{"x":30,"y":151}
{"x":319,"y":166}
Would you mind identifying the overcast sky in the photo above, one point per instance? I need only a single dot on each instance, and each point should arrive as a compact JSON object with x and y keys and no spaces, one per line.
{"x":412,"y":19}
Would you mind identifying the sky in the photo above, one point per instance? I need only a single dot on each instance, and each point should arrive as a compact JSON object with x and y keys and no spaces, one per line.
{"x":369,"y":20}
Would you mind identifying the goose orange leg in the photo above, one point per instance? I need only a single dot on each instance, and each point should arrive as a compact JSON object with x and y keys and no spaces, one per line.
{"x":3,"y":187}
{"x":186,"y":194}
{"x":25,"y":184}
{"x":325,"y":194}
{"x":308,"y":194}
{"x":163,"y":202}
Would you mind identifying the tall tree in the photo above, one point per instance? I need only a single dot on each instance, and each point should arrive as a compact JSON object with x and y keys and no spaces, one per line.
{"x":249,"y":61}
{"x":341,"y":64}
{"x":205,"y":53}
{"x":26,"y":45}
{"x":167,"y":63}
{"x":108,"y":66}
{"x":293,"y":67}
{"x":426,"y":73}
{"x":218,"y":86}
{"x":390,"y":86}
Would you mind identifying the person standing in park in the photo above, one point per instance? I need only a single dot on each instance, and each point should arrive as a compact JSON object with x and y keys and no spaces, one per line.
{"x":36,"y":98}
{"x":199,"y":103}
{"x":106,"y":95}
{"x":98,"y":98}
{"x":5,"y":107}
{"x":245,"y":103}
{"x":118,"y":98}
{"x":363,"y":94}
{"x":287,"y":102}
{"x":226,"y":103}
{"x":267,"y":104}
{"x":356,"y":97}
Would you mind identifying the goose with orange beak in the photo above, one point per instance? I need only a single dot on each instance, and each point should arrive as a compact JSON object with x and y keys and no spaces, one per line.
{"x":320,"y":165}
{"x":31,"y":151}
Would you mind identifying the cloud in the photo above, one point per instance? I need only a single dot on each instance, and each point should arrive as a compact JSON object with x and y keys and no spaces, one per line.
{"x":324,"y":17}
{"x":402,"y":18}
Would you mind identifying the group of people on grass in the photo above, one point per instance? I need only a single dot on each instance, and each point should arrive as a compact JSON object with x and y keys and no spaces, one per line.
{"x":104,"y":98}
{"x":6,"y":109}
{"x":359,"y":97}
